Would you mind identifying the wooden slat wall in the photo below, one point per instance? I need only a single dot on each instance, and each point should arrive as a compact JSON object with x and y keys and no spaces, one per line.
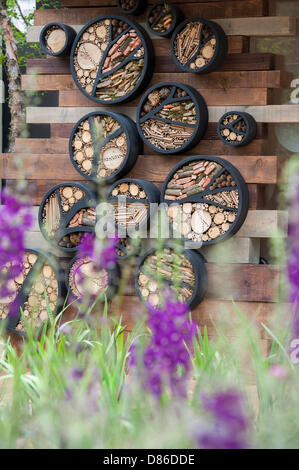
{"x":246,"y":81}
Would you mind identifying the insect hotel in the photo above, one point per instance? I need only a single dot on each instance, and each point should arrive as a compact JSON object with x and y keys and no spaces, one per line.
{"x":174,"y":104}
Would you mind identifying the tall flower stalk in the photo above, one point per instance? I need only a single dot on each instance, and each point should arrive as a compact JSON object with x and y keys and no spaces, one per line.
{"x":293,"y":258}
{"x":15,"y":219}
{"x":227,"y":425}
{"x":165,"y":362}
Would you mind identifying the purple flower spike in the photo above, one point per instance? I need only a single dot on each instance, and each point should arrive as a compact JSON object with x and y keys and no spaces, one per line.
{"x":103,"y":255}
{"x":77,"y":374}
{"x":86,"y":247}
{"x":15,"y":219}
{"x":166,"y":359}
{"x":229,"y":424}
{"x":293,"y":258}
{"x":108,"y":254}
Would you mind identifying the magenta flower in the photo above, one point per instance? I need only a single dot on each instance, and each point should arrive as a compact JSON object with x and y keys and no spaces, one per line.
{"x":15,"y":219}
{"x":86,"y":247}
{"x":228,"y":426}
{"x":166,"y":360}
{"x":278,"y":372}
{"x":103,"y":255}
{"x":90,"y":394}
{"x":293,"y":259}
{"x":108,"y":255}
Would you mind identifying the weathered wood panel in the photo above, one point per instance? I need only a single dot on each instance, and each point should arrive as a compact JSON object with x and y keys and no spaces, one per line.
{"x":219,"y":9}
{"x":254,"y":169}
{"x":242,"y":282}
{"x":216,"y":97}
{"x":266,"y":114}
{"x":69,"y":115}
{"x":210,"y":312}
{"x":208,"y":146}
{"x":258,"y":224}
{"x":214,"y":80}
{"x":260,"y":26}
{"x":64,"y":130}
{"x":37,"y":188}
{"x":164,"y":63}
{"x":235,"y":250}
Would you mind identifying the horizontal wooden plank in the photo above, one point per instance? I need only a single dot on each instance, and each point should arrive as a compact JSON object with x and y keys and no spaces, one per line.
{"x":164,"y":63}
{"x":208,"y":146}
{"x":214,"y":80}
{"x":258,"y":283}
{"x":255,"y":169}
{"x":213,"y":97}
{"x":267,"y":114}
{"x":236,"y":44}
{"x":37,"y":188}
{"x":210,"y":312}
{"x":102,"y":3}
{"x":49,"y":115}
{"x":240,"y":282}
{"x":235,"y":250}
{"x":64,"y":130}
{"x":258,"y":224}
{"x":271,"y":224}
{"x":223,"y":9}
{"x":58,"y":144}
{"x":260,"y":26}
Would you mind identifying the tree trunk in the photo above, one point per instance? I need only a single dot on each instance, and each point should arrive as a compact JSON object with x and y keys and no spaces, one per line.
{"x":16,"y":97}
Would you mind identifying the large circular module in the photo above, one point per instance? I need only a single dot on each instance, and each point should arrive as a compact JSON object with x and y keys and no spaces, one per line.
{"x":66,"y":213}
{"x":207,"y":197}
{"x":104,"y":146}
{"x":171,"y":269}
{"x":38,"y":289}
{"x":112,"y":59}
{"x":171,"y":117}
{"x":84,"y":279}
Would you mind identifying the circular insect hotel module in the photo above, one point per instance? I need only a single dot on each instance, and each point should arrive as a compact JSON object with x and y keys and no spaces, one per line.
{"x":66,"y":213}
{"x":181,"y":272}
{"x":39,"y":274}
{"x":172,"y":117}
{"x":131,"y":199}
{"x":162,"y":18}
{"x":112,"y":59}
{"x":104,"y":146}
{"x":83,"y":279}
{"x":57,"y":39}
{"x":198,"y":45}
{"x":132,"y":7}
{"x":236,"y":128}
{"x":207,"y":197}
